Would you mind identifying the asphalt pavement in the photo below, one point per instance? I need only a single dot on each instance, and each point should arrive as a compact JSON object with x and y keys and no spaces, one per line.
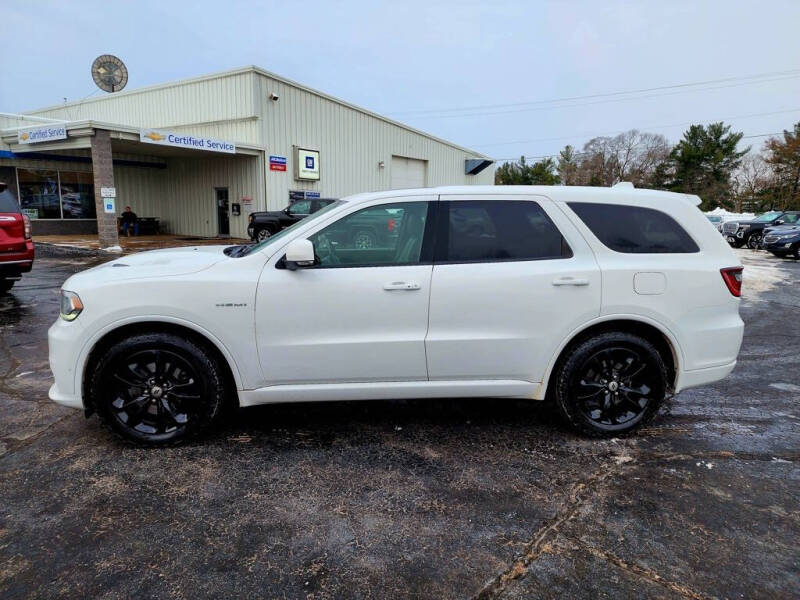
{"x":428,"y":499}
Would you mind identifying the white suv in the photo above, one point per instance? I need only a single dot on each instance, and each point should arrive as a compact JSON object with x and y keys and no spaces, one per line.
{"x":604,"y":299}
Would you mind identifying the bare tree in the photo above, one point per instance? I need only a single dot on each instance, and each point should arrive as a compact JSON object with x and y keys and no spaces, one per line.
{"x":750,"y":181}
{"x":631,"y":156}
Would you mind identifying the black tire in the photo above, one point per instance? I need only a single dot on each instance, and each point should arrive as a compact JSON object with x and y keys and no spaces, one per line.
{"x":612,"y":406}
{"x":263,"y":233}
{"x":364,"y":238}
{"x":738,"y":243}
{"x":132,"y":388}
{"x":6,"y":285}
{"x":780,"y":254}
{"x":754,"y":241}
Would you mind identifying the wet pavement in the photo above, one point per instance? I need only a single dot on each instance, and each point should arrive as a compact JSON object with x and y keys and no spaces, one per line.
{"x":430,"y":499}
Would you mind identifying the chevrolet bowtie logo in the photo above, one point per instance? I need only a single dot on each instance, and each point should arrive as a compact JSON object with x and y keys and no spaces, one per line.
{"x":156,"y":137}
{"x":25,"y":136}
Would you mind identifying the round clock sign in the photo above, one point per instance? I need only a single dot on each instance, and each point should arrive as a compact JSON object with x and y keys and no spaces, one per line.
{"x":109,"y":73}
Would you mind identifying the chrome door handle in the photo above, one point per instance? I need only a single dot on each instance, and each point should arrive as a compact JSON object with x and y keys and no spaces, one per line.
{"x":401,"y":285}
{"x":570,"y":281}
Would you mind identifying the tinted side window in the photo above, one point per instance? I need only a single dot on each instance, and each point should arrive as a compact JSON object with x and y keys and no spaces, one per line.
{"x":8,"y":204}
{"x":497,"y":230}
{"x":633,"y":229}
{"x":388,"y":234}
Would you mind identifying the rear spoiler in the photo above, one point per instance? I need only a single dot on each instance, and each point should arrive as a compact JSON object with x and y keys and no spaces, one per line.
{"x":690,"y":198}
{"x":693,"y":199}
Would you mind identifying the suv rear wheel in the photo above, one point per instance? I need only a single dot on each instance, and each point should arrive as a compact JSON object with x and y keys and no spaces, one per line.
{"x":610,"y":384}
{"x":156,"y":389}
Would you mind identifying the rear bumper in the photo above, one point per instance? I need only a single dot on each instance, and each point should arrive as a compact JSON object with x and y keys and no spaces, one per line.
{"x":16,"y":263}
{"x":696,"y":377}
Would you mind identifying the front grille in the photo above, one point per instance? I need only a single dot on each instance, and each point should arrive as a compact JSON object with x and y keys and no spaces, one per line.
{"x":771,"y":238}
{"x":730,"y":227}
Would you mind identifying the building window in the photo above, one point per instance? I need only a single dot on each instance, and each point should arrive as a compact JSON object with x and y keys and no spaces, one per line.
{"x":45,"y":194}
{"x":38,"y":193}
{"x":77,"y":195}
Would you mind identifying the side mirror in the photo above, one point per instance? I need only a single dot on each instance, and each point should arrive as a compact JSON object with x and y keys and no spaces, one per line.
{"x":299,"y":253}
{"x":779,"y":222}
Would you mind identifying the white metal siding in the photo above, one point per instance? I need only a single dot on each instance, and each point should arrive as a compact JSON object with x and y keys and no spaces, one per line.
{"x":351,"y":144}
{"x":219,"y":107}
{"x":407,"y":173}
{"x":189,"y":207}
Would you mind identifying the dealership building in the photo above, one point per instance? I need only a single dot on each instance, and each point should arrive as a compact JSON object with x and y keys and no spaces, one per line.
{"x":196,"y":156}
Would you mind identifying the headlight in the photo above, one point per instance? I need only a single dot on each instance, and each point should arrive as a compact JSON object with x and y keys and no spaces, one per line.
{"x":71,"y":305}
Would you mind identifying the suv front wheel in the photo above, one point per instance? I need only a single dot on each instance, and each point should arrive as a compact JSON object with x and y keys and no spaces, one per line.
{"x":156,"y":389}
{"x":610,"y":384}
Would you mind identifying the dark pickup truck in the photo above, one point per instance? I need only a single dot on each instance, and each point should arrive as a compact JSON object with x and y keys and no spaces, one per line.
{"x":263,"y":224}
{"x":751,"y":232}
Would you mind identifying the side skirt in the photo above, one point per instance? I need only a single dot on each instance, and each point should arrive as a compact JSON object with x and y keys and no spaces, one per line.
{"x":392,"y":390}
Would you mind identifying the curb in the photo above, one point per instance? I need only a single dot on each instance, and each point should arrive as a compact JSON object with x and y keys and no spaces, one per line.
{"x":45,"y":250}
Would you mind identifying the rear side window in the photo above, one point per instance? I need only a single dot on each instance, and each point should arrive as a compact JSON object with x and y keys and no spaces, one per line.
{"x":497,"y":230}
{"x":634,"y":229}
{"x":8,"y":203}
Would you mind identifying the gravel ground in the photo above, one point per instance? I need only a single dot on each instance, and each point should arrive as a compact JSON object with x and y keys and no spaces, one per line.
{"x":430,"y":499}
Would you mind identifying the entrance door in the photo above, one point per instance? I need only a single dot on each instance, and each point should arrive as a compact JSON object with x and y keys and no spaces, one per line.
{"x":223,"y":218}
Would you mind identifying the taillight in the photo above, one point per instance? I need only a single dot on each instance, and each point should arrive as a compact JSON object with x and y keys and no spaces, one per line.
{"x":732,"y":276}
{"x":26,"y":224}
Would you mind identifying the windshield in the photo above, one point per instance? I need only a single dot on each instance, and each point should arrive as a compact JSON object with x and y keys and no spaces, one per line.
{"x":280,"y":234}
{"x":770,"y":216}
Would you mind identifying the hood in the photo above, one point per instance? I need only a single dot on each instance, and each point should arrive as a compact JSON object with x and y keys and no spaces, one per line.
{"x":782,"y":229}
{"x":152,"y":264}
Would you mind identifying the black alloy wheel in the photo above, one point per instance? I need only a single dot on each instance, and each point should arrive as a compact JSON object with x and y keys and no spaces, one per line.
{"x":263,"y":234}
{"x":754,"y":241}
{"x":611,"y":384}
{"x":157,"y":388}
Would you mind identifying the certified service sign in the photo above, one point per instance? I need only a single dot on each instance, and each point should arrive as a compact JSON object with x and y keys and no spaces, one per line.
{"x":44,"y":133}
{"x":182,"y":140}
{"x":307,"y":164}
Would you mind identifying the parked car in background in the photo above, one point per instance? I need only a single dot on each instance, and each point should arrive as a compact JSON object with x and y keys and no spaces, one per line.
{"x":783,"y":241}
{"x":263,"y":224}
{"x":16,"y":245}
{"x":719,"y":219}
{"x":751,"y":232}
{"x":606,"y":300}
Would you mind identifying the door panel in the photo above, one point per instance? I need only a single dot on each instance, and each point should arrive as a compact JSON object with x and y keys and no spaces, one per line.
{"x":505,"y":319}
{"x":349,"y":322}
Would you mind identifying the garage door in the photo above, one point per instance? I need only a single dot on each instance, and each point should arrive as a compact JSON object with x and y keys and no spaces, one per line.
{"x":408,"y":173}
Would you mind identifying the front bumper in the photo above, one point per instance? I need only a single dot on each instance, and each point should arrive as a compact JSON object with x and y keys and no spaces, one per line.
{"x":782,"y":245}
{"x":64,"y":342}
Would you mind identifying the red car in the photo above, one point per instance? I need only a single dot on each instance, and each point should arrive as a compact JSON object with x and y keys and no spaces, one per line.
{"x":16,"y":245}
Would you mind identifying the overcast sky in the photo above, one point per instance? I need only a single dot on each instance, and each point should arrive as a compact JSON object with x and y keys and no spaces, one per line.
{"x":484,"y":67}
